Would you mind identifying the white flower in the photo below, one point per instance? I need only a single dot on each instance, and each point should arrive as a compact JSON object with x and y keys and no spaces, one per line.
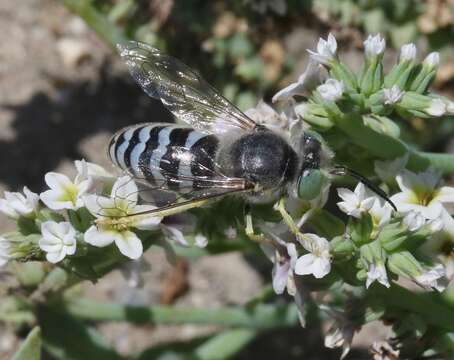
{"x":16,"y":204}
{"x":59,"y":240}
{"x":381,"y":214}
{"x":331,"y":90}
{"x":407,"y":52}
{"x":374,"y":45}
{"x":307,"y":82}
{"x":392,"y":95}
{"x":433,"y":278}
{"x":283,"y":255}
{"x":355,"y":202}
{"x":96,"y":172}
{"x":377,"y":272}
{"x":437,"y":107}
{"x":318,"y":261}
{"x":5,"y":249}
{"x":414,"y":221}
{"x":326,"y":50}
{"x":264,"y":114}
{"x":115,"y":217}
{"x":421,"y":192}
{"x":432,"y":60}
{"x":387,"y":170}
{"x":63,"y":193}
{"x":284,"y":263}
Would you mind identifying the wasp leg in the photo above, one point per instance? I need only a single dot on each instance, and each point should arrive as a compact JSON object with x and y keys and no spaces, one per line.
{"x":280,"y":206}
{"x":260,"y":238}
{"x":306,"y":241}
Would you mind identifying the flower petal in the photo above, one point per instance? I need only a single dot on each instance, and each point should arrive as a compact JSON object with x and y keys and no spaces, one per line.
{"x":99,"y":238}
{"x":446,"y":194}
{"x":55,"y":257}
{"x":57,"y":181}
{"x":53,"y":200}
{"x":98,"y":205}
{"x":304,"y":264}
{"x":129,"y":244}
{"x":125,"y":189}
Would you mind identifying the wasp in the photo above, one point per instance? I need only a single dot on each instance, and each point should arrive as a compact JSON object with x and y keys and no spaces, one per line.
{"x":218,"y":151}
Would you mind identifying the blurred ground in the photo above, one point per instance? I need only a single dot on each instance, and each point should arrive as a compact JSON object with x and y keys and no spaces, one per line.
{"x":62,"y":94}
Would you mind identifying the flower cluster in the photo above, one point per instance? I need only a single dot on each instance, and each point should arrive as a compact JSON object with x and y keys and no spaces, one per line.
{"x":70,"y":217}
{"x":376,"y":242}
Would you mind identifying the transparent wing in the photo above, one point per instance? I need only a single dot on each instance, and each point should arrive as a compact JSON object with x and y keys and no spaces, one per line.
{"x":188,"y":96}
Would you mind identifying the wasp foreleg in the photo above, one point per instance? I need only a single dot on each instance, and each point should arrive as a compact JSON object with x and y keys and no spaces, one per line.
{"x":260,"y":238}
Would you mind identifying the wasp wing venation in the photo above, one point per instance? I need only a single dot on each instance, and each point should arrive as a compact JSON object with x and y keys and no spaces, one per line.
{"x":171,"y":163}
{"x":188,"y":96}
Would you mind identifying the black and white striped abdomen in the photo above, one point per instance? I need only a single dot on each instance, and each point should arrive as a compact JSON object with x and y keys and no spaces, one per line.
{"x":165,"y":155}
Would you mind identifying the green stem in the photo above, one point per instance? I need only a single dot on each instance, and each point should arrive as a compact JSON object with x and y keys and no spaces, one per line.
{"x":401,"y":299}
{"x":259,"y":317}
{"x":96,"y":20}
{"x":387,"y":147}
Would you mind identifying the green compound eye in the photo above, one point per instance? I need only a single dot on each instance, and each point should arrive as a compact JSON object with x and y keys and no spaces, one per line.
{"x":310,"y":184}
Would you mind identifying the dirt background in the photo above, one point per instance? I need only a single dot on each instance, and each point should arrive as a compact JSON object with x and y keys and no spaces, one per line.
{"x":62,"y":94}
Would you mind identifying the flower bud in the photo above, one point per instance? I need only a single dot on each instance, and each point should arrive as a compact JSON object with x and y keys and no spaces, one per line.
{"x":432,"y":60}
{"x":426,"y":73}
{"x":374,"y":46}
{"x":421,"y":105}
{"x":408,"y":52}
{"x":401,"y":72}
{"x":342,"y":248}
{"x":382,"y":124}
{"x":392,"y":236}
{"x":331,"y":90}
{"x":437,"y":107}
{"x":404,"y":264}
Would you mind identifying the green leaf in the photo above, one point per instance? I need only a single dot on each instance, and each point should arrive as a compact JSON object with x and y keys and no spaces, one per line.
{"x":27,"y":226}
{"x":80,"y":219}
{"x":31,"y":347}
{"x":259,"y":317}
{"x":225,"y":345}
{"x":68,"y":339}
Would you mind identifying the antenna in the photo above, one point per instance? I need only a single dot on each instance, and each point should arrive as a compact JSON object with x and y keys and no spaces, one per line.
{"x":343,"y":170}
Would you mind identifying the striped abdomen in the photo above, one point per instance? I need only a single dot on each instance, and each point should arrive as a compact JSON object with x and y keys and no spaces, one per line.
{"x":165,"y":155}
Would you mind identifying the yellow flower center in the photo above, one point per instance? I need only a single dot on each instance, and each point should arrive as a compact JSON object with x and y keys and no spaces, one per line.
{"x":424,"y":197}
{"x":70,"y":194}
